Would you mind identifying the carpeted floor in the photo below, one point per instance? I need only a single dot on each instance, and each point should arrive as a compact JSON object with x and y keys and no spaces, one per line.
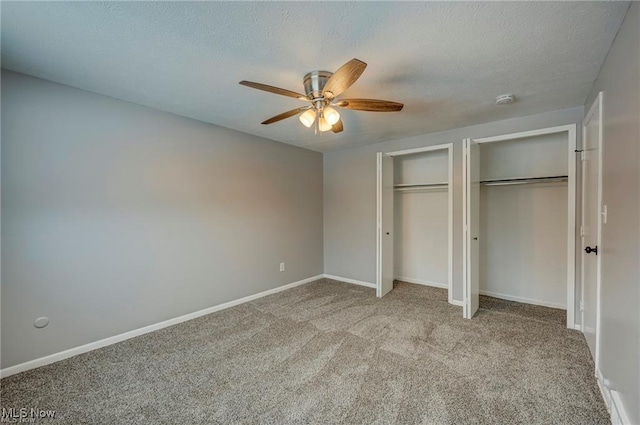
{"x":330,"y":352}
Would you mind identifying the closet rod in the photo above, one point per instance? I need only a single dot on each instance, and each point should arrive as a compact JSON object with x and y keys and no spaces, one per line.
{"x":525,"y":180}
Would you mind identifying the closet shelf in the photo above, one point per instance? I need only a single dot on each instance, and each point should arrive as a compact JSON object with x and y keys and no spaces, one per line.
{"x":524,"y":180}
{"x":420,"y":186}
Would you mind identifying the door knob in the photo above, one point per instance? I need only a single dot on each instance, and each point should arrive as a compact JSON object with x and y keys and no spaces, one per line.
{"x":589,"y":250}
{"x":387,"y":233}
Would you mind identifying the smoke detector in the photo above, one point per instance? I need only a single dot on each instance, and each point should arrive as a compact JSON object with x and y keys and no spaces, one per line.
{"x":505,"y":99}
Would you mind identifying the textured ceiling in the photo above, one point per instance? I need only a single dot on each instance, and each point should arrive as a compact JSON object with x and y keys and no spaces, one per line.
{"x":446,"y":61}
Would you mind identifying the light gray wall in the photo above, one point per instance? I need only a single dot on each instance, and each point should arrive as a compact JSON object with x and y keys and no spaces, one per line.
{"x":350,"y":193}
{"x":523,"y":243}
{"x":116,"y":216}
{"x":619,"y":79}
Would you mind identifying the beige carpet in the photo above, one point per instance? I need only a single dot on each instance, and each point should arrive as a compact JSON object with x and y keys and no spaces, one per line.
{"x":330,"y":352}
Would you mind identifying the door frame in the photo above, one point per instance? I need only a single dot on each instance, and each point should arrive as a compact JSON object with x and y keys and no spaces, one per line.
{"x":466,"y":237}
{"x":597,"y":103}
{"x":571,"y":130}
{"x":444,"y":146}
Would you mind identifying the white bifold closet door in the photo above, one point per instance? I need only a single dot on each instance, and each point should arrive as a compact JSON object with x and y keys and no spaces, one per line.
{"x":471,"y":170}
{"x":385,"y":225}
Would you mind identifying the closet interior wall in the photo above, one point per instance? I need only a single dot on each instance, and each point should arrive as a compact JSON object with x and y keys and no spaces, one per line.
{"x":421,"y":218}
{"x":523,"y":227}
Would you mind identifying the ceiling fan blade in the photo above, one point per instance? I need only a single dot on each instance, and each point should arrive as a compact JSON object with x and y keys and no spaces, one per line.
{"x":337,"y":127}
{"x":372,"y":105}
{"x":344,"y":78}
{"x":272,"y":89}
{"x":285,"y":115}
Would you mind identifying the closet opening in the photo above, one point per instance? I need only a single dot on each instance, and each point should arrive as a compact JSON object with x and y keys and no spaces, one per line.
{"x":418,"y":226}
{"x":520,"y":220}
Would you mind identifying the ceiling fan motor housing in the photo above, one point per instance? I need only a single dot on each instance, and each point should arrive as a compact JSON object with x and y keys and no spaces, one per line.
{"x":314,"y":83}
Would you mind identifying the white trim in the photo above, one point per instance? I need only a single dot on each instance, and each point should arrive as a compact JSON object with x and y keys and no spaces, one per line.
{"x":56,"y":357}
{"x":353,"y":281}
{"x":449,"y":148}
{"x":604,"y":391}
{"x":618,"y":409}
{"x":456,"y":302}
{"x":600,"y":247}
{"x":523,"y":300}
{"x":612,"y":400}
{"x":466,"y":275}
{"x":577,"y":327}
{"x":422,"y":282}
{"x":450,"y":223}
{"x":419,"y":150}
{"x":572,"y":187}
{"x":571,"y":130}
{"x":525,"y":134}
{"x":597,"y":104}
{"x":379,"y":224}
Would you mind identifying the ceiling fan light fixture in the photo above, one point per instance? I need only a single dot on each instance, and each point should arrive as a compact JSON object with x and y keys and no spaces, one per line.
{"x":308,"y":118}
{"x":322,"y":89}
{"x":323,"y":124}
{"x":331,"y":115}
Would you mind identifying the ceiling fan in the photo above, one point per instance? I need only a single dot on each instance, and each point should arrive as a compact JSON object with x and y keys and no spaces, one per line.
{"x":322,"y":89}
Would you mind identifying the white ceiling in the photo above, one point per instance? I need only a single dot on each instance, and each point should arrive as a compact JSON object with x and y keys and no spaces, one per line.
{"x":445,"y":61}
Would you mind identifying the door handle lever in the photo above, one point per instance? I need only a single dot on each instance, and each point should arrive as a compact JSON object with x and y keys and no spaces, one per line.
{"x":589,"y":250}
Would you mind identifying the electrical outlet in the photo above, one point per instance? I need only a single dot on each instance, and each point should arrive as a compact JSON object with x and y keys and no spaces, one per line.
{"x":281,"y":267}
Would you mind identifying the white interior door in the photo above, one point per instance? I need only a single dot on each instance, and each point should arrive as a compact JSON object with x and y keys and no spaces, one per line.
{"x":385,"y":225}
{"x":591,"y":225}
{"x":472,"y":223}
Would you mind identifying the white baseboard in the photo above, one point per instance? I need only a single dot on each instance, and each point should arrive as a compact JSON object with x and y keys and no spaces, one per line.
{"x":523,"y":300}
{"x":577,"y":327}
{"x":433,"y":285}
{"x":618,"y":412}
{"x":423,"y":282}
{"x":52,"y":358}
{"x":604,"y":391}
{"x":373,"y":285}
{"x":347,"y":280}
{"x":613,"y":402}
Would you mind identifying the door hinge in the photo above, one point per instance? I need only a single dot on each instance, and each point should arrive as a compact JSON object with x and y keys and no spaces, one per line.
{"x":581,"y":231}
{"x":583,"y":155}
{"x":581,"y":305}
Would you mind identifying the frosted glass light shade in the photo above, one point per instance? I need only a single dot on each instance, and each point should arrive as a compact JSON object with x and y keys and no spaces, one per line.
{"x":323,"y":124}
{"x":331,"y":115}
{"x":308,"y":118}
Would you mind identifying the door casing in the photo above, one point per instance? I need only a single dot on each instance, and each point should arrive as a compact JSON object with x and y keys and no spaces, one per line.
{"x":596,"y":107}
{"x":449,"y":148}
{"x":571,"y":206}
